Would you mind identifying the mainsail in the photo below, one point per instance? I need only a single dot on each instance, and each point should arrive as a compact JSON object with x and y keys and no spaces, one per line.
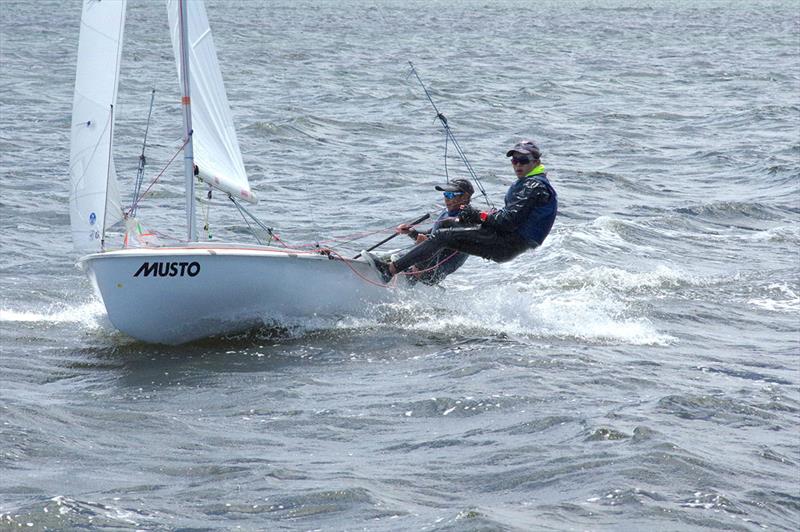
{"x":216,"y":148}
{"x":94,"y":196}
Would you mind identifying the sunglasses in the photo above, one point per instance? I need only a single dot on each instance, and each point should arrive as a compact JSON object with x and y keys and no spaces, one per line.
{"x":520,"y":160}
{"x":451,"y":195}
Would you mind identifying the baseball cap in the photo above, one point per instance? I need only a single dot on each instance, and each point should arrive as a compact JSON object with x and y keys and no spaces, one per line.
{"x":457,"y":185}
{"x":527,"y":147}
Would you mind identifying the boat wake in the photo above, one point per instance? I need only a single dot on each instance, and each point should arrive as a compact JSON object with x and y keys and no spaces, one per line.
{"x":514,"y":310}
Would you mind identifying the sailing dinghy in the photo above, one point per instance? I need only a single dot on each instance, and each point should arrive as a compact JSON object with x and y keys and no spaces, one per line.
{"x":175,"y":294}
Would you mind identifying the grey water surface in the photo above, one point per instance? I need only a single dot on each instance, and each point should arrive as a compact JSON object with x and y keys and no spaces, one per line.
{"x":640,"y":371}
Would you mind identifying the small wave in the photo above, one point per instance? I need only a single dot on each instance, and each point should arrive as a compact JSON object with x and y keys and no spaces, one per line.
{"x":62,"y":513}
{"x":615,"y":235}
{"x":662,"y":277}
{"x":621,"y":497}
{"x":712,"y":501}
{"x":311,"y":505}
{"x":727,"y":209}
{"x":722,"y":410}
{"x":781,"y":234}
{"x":783,"y":299}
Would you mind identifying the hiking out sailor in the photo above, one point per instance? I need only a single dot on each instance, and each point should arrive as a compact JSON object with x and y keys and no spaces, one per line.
{"x":531,"y":204}
{"x":457,"y":195}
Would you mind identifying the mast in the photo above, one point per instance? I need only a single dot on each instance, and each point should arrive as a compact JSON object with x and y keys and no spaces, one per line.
{"x":188,"y":150}
{"x":109,"y":171}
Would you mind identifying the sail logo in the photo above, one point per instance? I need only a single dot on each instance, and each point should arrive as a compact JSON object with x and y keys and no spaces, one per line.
{"x":168,"y":269}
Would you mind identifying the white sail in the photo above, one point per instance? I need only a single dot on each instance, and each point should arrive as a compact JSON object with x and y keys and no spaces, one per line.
{"x":94,"y":196}
{"x":216,"y":148}
{"x":179,"y":293}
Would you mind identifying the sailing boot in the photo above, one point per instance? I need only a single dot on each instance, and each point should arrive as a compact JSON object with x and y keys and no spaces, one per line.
{"x":378,"y":264}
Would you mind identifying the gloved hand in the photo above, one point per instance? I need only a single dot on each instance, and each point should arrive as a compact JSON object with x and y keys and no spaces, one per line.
{"x":469,"y":215}
{"x":448,"y":222}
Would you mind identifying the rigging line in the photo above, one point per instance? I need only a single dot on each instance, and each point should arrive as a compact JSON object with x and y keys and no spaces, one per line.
{"x":434,"y":267}
{"x":142,"y":160}
{"x":358,"y":274}
{"x":446,"y":145}
{"x":347,"y":239}
{"x":249,"y":226}
{"x":261,"y":224}
{"x":393,"y":282}
{"x":243,"y":211}
{"x":354,"y":237}
{"x":350,"y":238}
{"x":449,"y":134}
{"x":166,"y":236}
{"x":155,"y":179}
{"x":207,"y":216}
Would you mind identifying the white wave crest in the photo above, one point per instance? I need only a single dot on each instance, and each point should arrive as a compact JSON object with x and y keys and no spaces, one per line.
{"x":89,"y":314}
{"x":662,"y":277}
{"x":785,"y":299}
{"x":588,"y":313}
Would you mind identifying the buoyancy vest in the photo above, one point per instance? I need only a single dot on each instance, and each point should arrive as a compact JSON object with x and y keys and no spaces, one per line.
{"x":540,"y":217}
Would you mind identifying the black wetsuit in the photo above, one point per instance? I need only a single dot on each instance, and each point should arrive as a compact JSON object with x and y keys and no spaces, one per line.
{"x":530,"y":209}
{"x":445,"y":261}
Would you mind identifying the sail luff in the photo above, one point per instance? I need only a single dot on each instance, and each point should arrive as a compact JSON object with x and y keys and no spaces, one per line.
{"x":109,"y":166}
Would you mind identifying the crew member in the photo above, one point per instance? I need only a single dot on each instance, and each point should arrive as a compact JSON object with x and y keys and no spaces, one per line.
{"x":457,"y":195}
{"x":531,"y":204}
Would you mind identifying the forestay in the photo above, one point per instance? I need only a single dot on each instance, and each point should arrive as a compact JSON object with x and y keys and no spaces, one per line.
{"x":216,"y":148}
{"x":94,"y":195}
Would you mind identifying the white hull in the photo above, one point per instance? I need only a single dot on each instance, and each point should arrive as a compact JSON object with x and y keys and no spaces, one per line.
{"x":175,"y":295}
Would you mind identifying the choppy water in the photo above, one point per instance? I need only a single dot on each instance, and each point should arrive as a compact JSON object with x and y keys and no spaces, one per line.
{"x":638,"y":372}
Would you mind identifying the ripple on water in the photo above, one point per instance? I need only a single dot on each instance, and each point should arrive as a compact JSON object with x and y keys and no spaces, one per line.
{"x":718,"y":409}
